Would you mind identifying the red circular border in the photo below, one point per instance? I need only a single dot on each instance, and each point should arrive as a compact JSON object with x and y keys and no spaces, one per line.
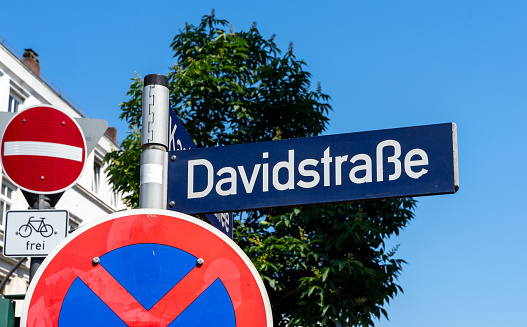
{"x":74,"y":257}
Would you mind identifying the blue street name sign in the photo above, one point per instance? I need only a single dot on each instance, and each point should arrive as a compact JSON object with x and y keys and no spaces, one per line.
{"x":179,"y":139}
{"x":401,"y":162}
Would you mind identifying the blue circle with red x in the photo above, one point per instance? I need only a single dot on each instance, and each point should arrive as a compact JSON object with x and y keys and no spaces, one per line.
{"x":147,"y":272}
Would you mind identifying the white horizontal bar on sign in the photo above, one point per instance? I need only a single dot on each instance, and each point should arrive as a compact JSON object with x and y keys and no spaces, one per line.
{"x":43,"y":149}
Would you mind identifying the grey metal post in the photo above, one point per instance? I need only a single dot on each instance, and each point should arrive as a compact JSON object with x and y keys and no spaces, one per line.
{"x":40,"y":202}
{"x":154,"y":143}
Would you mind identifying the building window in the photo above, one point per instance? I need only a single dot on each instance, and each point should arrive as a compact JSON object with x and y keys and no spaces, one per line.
{"x":115,"y":199}
{"x":73,"y":226}
{"x":14,"y":102}
{"x":6,"y":196}
{"x":96,"y":184}
{"x":112,"y":199}
{"x":74,"y":223}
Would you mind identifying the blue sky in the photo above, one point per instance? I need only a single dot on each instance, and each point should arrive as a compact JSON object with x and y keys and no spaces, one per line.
{"x":386,"y":64}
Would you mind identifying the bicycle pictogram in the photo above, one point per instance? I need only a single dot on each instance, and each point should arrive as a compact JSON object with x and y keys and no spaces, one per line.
{"x":46,"y":230}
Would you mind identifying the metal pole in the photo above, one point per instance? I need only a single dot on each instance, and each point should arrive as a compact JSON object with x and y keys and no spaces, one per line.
{"x":154,"y":143}
{"x":40,"y":202}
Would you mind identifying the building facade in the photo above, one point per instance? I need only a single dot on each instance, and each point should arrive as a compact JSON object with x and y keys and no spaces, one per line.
{"x":22,"y":86}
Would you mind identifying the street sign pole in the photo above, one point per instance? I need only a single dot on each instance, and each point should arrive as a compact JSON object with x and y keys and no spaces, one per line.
{"x":40,"y":202}
{"x":154,"y":143}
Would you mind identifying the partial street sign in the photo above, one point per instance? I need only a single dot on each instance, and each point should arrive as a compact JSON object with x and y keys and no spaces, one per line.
{"x":43,"y":150}
{"x":401,"y":162}
{"x":147,"y":267}
{"x":179,"y":139}
{"x":34,"y":233}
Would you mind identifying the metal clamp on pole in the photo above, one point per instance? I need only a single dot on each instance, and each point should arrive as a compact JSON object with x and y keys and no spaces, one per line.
{"x":154,"y":142}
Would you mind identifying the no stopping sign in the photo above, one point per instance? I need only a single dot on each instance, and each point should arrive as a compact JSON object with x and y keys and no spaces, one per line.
{"x":147,"y":267}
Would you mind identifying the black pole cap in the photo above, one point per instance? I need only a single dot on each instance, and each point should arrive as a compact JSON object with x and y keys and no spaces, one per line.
{"x":156,"y":79}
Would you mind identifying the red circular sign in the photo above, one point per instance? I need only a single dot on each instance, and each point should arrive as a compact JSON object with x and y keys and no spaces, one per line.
{"x":100,"y":262}
{"x":43,"y":150}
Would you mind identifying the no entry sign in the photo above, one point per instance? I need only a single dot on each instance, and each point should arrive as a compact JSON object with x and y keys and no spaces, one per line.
{"x":43,"y":150}
{"x":147,"y":267}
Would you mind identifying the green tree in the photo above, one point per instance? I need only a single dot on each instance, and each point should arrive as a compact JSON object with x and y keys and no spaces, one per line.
{"x":320,"y":263}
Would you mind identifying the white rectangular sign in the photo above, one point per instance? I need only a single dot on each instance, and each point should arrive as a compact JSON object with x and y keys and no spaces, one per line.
{"x":34,"y":233}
